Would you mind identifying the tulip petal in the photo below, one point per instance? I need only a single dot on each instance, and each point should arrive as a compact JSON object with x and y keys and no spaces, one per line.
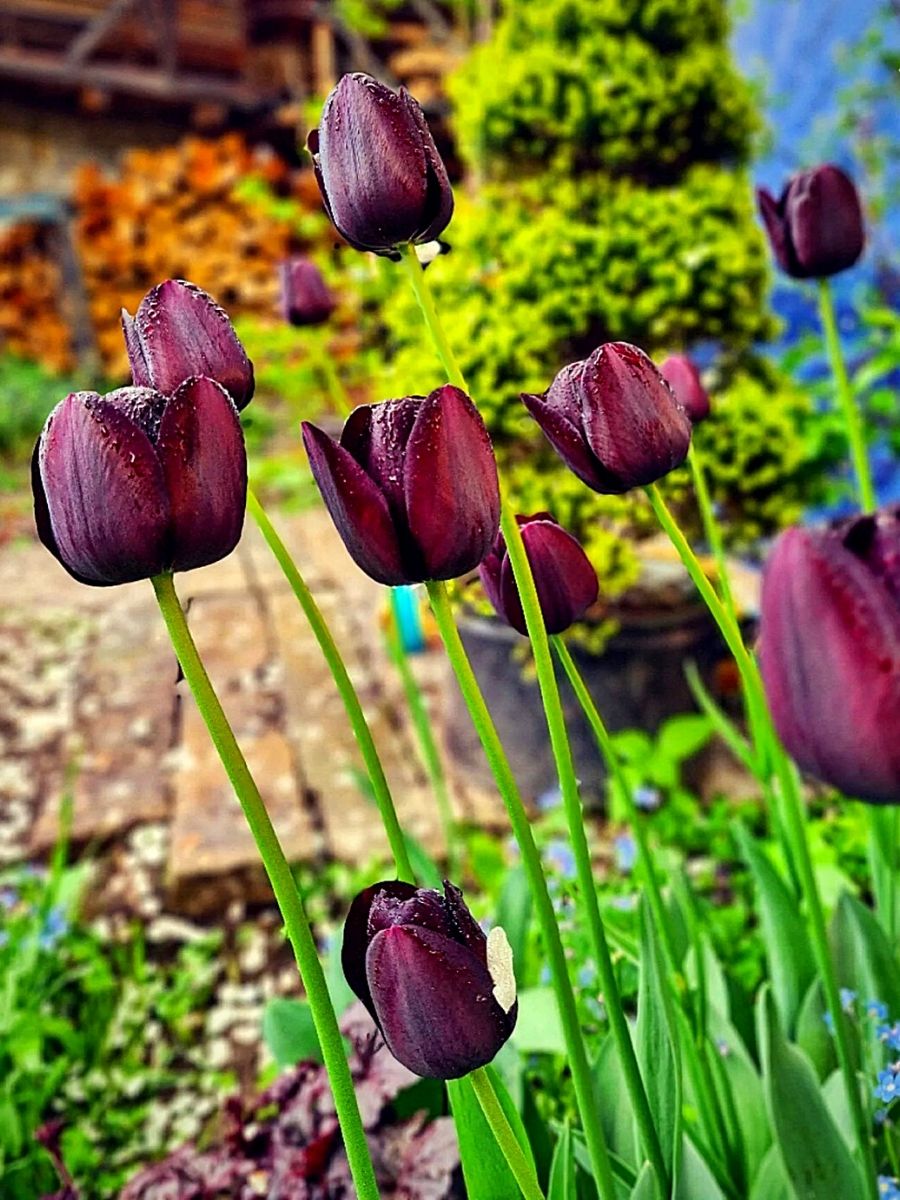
{"x":142,"y":405}
{"x":201,"y":449}
{"x":182,"y":333}
{"x":565,"y":579}
{"x":102,"y":506}
{"x":434,"y":1002}
{"x":569,"y":443}
{"x":772,"y":213}
{"x":824,"y":216}
{"x":376,"y":435}
{"x":359,"y":510}
{"x":451,"y":486}
{"x":632,"y":421}
{"x":140,"y":372}
{"x":830,"y":660}
{"x":371,"y":165}
{"x":356,"y":934}
{"x":438,"y":207}
{"x":682,"y":376}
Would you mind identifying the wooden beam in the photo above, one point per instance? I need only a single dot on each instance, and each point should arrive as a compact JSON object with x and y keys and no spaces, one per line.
{"x":93,"y":34}
{"x":51,"y":70}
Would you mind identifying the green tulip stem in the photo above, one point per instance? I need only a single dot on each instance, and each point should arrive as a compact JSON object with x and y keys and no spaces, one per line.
{"x":287,"y":895}
{"x":332,"y":655}
{"x":323,"y":363}
{"x":571,"y":798}
{"x":853,"y":421}
{"x":790,"y":816}
{"x":518,"y":1161}
{"x":562,"y":985}
{"x":428,"y":748}
{"x":423,"y":295}
{"x":711,"y":527}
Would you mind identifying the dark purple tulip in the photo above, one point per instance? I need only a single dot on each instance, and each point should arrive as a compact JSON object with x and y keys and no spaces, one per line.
{"x":442,"y":994}
{"x":306,"y":298}
{"x":682,"y":376}
{"x":411,"y":486}
{"x":816,"y":225}
{"x":382,"y":180}
{"x":179,"y":331}
{"x":830,"y":652}
{"x":613,"y":419}
{"x":134,"y":483}
{"x":566,"y":581}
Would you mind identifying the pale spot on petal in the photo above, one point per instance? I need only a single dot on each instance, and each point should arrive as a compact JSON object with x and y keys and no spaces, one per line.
{"x":500,"y":967}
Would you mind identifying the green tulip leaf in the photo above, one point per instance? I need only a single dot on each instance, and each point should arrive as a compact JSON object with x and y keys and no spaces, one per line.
{"x":863,"y":955}
{"x":562,"y":1169}
{"x":290,"y":1033}
{"x":485,"y":1170}
{"x":657,"y":1043}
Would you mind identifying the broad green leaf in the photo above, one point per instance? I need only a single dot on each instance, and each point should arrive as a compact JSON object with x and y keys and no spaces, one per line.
{"x":791,"y":965}
{"x":485,"y":1171}
{"x":290,"y":1033}
{"x":614,"y":1103}
{"x":645,"y":1188}
{"x":815,"y":1156}
{"x":695,"y":1180}
{"x":339,"y":989}
{"x":863,"y":956}
{"x":736,"y":1064}
{"x":771,"y":1182}
{"x":538,"y":1029}
{"x":813,"y":1036}
{"x":514,"y":915}
{"x":657,"y":1043}
{"x":426,"y":870}
{"x":562,"y":1169}
{"x":624,"y":1176}
{"x":836,"y":1100}
{"x":681,"y":737}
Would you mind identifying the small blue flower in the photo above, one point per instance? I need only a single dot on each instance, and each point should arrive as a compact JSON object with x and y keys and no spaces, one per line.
{"x":888,"y":1087}
{"x":560,"y":857}
{"x":54,"y":928}
{"x":587,"y":975}
{"x":624,"y":903}
{"x":625,"y":851}
{"x":890,"y":1035}
{"x":888,"y":1188}
{"x":9,"y":898}
{"x":549,"y":799}
{"x":829,"y":1022}
{"x":646,"y":798}
{"x":4,"y":938}
{"x":880,"y":1115}
{"x":848,"y":999}
{"x":877,"y":1010}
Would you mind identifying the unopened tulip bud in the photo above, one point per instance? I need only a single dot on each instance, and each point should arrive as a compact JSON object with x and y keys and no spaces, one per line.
{"x":306,"y":298}
{"x":442,"y":993}
{"x":682,"y":376}
{"x":382,"y":180}
{"x":613,"y":419}
{"x":179,"y":331}
{"x":135,"y":483}
{"x":830,"y":652}
{"x":565,"y":580}
{"x":411,"y":486}
{"x":815,"y":226}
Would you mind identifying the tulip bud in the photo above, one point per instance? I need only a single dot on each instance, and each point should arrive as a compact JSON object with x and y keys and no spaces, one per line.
{"x":830,"y":652}
{"x":816,"y":226}
{"x":441,"y":993}
{"x":682,"y":376}
{"x":134,"y":483}
{"x":382,"y":180}
{"x":179,"y":331}
{"x":566,"y":581}
{"x":613,"y":419}
{"x":411,"y":486}
{"x":306,"y":298}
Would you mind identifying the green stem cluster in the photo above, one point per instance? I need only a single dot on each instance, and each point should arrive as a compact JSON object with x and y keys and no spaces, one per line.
{"x":332,"y":655}
{"x":284,"y":886}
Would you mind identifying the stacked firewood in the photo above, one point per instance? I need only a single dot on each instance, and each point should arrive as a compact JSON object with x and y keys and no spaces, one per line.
{"x":177,"y":212}
{"x":32,"y":321}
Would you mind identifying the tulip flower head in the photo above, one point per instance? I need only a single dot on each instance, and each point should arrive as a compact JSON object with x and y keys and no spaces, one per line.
{"x":613,"y":419}
{"x":306,"y":298}
{"x":382,"y":180}
{"x":830,"y":652}
{"x":566,"y":581}
{"x":179,"y":331}
{"x":135,"y":483}
{"x":442,"y":993}
{"x":411,"y":486}
{"x":815,"y":226}
{"x":682,"y":376}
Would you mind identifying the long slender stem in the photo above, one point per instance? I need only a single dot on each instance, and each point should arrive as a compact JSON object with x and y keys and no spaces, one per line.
{"x":428,"y":748}
{"x":711,"y":528}
{"x":518,"y":816}
{"x":283,"y":884}
{"x":790,"y":815}
{"x":587,"y":888}
{"x":856,"y":434}
{"x":422,"y":291}
{"x":342,"y":680}
{"x":523,"y":1170}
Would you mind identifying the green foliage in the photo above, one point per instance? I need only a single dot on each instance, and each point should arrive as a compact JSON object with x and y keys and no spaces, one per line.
{"x":615,"y":86}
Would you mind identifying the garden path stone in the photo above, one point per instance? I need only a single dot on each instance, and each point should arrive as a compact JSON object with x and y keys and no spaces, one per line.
{"x":89,"y":695}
